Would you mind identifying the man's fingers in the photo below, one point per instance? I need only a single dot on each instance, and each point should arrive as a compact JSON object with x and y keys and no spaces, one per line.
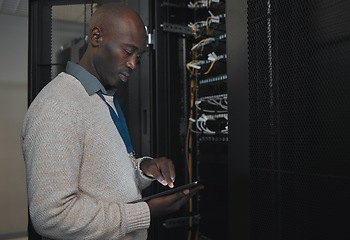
{"x":189,"y":192}
{"x":161,"y":180}
{"x":185,"y":195}
{"x":166,"y":171}
{"x":173,"y":202}
{"x":186,"y":191}
{"x":171,"y":173}
{"x":162,"y":169}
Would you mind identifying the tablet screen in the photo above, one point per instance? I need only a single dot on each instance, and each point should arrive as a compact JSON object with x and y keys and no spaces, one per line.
{"x":167,"y":192}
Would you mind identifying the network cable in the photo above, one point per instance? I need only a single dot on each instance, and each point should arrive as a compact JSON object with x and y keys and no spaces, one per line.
{"x":217,"y":104}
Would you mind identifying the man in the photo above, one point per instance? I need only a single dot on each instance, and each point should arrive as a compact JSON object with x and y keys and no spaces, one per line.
{"x":81,"y":172}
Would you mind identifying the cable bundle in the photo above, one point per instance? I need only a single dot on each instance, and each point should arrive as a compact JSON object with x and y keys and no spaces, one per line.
{"x":211,"y":124}
{"x":202,"y":3}
{"x":197,"y":64}
{"x":197,"y":26}
{"x":213,"y":104}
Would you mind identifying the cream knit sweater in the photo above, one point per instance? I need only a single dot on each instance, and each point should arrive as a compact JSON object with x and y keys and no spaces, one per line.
{"x":79,"y":175}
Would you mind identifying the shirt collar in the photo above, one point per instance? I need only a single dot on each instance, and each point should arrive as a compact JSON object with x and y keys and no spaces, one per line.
{"x":89,"y":81}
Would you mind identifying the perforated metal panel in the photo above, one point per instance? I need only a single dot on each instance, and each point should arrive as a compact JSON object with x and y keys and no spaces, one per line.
{"x":299,"y":72}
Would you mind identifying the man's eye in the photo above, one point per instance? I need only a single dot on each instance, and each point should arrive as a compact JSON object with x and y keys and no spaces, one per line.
{"x":127,"y":52}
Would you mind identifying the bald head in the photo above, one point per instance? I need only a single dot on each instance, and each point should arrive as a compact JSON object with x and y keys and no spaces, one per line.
{"x":109,"y":17}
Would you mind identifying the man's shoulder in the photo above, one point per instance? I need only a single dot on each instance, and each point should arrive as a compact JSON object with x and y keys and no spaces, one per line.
{"x":63,"y":90}
{"x":63,"y":86}
{"x":64,"y":83}
{"x":62,"y":99}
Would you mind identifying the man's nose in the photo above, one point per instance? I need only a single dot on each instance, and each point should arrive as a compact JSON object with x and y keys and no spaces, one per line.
{"x":132,"y":61}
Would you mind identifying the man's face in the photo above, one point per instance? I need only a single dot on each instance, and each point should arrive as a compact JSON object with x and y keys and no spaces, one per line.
{"x":119,"y":53}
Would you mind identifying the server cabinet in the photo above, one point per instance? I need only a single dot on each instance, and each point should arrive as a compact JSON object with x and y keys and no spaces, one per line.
{"x":288,"y":108}
{"x":299,"y":119}
{"x":191,"y":106}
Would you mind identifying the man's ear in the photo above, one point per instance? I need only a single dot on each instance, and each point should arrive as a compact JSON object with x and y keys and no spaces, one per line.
{"x":96,"y":36}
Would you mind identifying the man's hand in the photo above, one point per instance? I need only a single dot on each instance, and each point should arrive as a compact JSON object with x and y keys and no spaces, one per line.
{"x":171,"y":203}
{"x":162,"y":169}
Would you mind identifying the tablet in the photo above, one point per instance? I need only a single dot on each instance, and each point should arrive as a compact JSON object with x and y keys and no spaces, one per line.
{"x":167,"y":192}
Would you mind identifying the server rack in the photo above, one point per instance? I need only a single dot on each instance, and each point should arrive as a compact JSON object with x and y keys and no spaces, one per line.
{"x":299,"y":118}
{"x":191,"y":102}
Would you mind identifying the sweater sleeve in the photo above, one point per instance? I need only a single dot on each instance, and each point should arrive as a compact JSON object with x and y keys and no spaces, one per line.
{"x":144,"y":181}
{"x":52,"y":144}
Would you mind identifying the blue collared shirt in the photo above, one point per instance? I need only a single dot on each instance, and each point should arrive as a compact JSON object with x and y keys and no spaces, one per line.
{"x":89,"y":81}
